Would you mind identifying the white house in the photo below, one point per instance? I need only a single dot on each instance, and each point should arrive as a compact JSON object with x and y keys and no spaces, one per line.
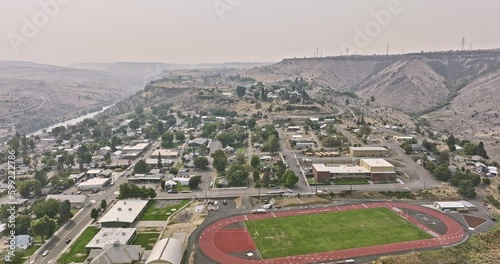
{"x":182,"y":181}
{"x":116,"y":155}
{"x":104,"y":150}
{"x":23,"y":241}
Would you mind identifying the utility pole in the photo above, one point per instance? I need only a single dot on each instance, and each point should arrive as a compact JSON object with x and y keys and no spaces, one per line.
{"x":470,"y":46}
{"x":346,"y":51}
{"x":387,"y":49}
{"x":317,"y":52}
{"x":463,"y":43}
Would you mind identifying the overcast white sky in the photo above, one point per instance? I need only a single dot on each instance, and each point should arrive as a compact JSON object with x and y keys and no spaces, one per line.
{"x":192,"y":31}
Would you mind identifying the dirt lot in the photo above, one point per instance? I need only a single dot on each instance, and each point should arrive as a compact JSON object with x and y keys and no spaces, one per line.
{"x":286,"y":202}
{"x":180,"y":225}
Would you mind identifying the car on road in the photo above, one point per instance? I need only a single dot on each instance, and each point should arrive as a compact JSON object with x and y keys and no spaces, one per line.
{"x":276,"y":188}
{"x":172,"y":191}
{"x":45,"y":253}
{"x":79,"y":192}
{"x":68,"y":240}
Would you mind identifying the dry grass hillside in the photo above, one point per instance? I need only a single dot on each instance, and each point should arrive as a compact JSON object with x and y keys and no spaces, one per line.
{"x":456,"y":91}
{"x":34,"y":95}
{"x":409,"y":84}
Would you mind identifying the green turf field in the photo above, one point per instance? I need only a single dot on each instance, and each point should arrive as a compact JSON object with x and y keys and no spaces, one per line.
{"x":305,"y":234}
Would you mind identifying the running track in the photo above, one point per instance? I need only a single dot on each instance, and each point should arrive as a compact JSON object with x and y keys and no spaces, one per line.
{"x":454,"y":234}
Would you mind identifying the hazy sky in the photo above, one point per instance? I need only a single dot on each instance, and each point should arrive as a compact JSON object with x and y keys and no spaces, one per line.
{"x":197,"y":31}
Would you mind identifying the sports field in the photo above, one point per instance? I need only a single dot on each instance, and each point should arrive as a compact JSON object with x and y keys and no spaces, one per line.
{"x":297,"y":235}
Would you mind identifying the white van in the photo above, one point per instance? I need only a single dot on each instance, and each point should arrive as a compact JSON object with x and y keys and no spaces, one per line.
{"x":45,"y":253}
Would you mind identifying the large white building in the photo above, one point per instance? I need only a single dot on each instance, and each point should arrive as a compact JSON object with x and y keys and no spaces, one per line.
{"x":165,"y":153}
{"x":167,"y":250}
{"x":136,"y":148}
{"x":108,"y":236}
{"x":368,"y":151}
{"x":123,"y":213}
{"x":94,"y":184}
{"x":374,"y":169}
{"x":76,"y":201}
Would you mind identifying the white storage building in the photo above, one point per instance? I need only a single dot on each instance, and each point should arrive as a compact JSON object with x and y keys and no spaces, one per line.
{"x":449,"y":206}
{"x":167,"y":250}
{"x":94,"y":184}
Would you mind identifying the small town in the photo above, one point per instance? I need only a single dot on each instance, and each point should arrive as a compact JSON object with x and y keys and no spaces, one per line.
{"x":244,"y":132}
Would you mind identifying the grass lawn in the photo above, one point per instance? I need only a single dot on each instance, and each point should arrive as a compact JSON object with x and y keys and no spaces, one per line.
{"x":31,"y":250}
{"x":77,"y":252}
{"x":179,"y":165}
{"x":160,"y":214}
{"x":170,"y":146}
{"x":350,"y":181}
{"x":314,"y":182}
{"x":146,"y":240}
{"x":296,"y":235}
{"x":74,"y":211}
{"x":179,"y":188}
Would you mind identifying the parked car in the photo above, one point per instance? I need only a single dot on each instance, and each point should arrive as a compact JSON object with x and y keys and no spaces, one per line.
{"x":45,"y":253}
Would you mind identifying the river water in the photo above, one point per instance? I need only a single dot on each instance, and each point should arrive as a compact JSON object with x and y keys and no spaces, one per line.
{"x":70,"y":122}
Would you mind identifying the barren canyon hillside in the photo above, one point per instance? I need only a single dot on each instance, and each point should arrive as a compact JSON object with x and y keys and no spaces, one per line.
{"x":34,"y":95}
{"x":455,"y":91}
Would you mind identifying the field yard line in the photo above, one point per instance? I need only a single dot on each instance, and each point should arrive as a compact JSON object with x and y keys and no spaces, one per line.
{"x":273,"y":214}
{"x":365,"y":206}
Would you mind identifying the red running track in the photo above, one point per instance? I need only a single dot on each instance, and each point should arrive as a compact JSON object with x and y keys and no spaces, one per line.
{"x":230,"y":240}
{"x":209,"y":236}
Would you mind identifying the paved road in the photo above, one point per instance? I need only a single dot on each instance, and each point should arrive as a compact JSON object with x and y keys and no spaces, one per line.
{"x":301,"y":186}
{"x":424,"y":178}
{"x":57,"y":244}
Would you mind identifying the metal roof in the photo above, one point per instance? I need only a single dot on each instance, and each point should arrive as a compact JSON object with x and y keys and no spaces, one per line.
{"x":377,"y":163}
{"x":108,"y":236}
{"x":77,"y":198}
{"x":450,"y":204}
{"x":168,"y":250}
{"x":125,"y":211}
{"x":368,"y":148}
